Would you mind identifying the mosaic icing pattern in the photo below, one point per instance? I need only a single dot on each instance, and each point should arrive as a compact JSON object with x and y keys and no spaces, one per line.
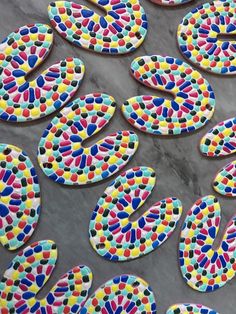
{"x":61,"y":154}
{"x":203,"y":268}
{"x":225,"y":180}
{"x":121,"y":30}
{"x":113,"y":235}
{"x":192,"y":107}
{"x":198,"y":36}
{"x":122,"y":294}
{"x":220,"y":140}
{"x":19,"y":197}
{"x":190,"y":309}
{"x":29,"y":272}
{"x":20,"y":53}
{"x":170,"y":2}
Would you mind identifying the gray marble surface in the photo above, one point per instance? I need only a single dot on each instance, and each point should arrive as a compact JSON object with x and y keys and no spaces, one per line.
{"x":181,"y":170}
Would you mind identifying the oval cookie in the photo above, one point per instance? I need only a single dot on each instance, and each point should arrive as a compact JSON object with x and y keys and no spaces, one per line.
{"x":27,"y":274}
{"x":193,"y":104}
{"x":220,"y":140}
{"x":20,"y":53}
{"x":61,"y":153}
{"x":203,"y":268}
{"x":225,"y":180}
{"x":198,"y":36}
{"x":121,"y":30}
{"x":190,"y":309}
{"x":19,"y":197}
{"x":122,"y":294}
{"x":111,"y":232}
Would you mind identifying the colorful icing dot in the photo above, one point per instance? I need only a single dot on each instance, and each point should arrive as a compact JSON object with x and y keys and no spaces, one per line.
{"x":20,"y":53}
{"x":29,"y":271}
{"x":190,"y":309}
{"x":19,"y":197}
{"x":193,"y":104}
{"x":203,"y":268}
{"x":220,"y":140}
{"x":61,"y":154}
{"x":122,"y":294}
{"x":198,"y":36}
{"x":111,"y":232}
{"x":170,"y":2}
{"x":121,"y":30}
{"x":225,"y":180}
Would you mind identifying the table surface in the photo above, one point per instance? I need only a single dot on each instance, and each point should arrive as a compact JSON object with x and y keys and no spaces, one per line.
{"x":181,"y":170}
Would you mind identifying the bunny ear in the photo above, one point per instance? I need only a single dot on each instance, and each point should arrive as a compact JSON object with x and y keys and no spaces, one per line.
{"x":61,"y":154}
{"x":122,"y":30}
{"x":204,"y":268}
{"x":70,"y":292}
{"x":113,"y":235}
{"x":189,"y":309}
{"x":20,"y":197}
{"x":29,"y":272}
{"x":225,"y":180}
{"x":24,"y":49}
{"x":122,"y":294}
{"x":198,"y":39}
{"x":220,"y":140}
{"x":20,"y":53}
{"x":193,"y":104}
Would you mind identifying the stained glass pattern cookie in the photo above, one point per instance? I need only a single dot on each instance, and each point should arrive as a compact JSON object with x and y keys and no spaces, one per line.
{"x":190,"y":309}
{"x":20,"y":53}
{"x":198,"y":36}
{"x":203,"y":268}
{"x":193,"y":104}
{"x":29,"y":272}
{"x":122,"y":294}
{"x":61,"y":154}
{"x":120,"y":31}
{"x":111,"y":232}
{"x":19,"y":197}
{"x":225,"y":180}
{"x":220,"y":140}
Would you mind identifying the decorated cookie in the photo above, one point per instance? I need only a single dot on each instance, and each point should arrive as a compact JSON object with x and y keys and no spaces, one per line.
{"x":198,"y":36}
{"x":19,"y":197}
{"x":190,"y":309}
{"x":193,"y":104}
{"x":122,"y":294}
{"x":121,"y":30}
{"x":170,"y":2}
{"x":29,"y":271}
{"x":220,"y":140}
{"x":61,"y":154}
{"x":225,"y":180}
{"x":204,"y":268}
{"x":20,"y":53}
{"x":111,"y":232}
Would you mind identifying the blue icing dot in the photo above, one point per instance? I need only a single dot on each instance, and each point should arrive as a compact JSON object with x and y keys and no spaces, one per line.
{"x":135,"y":202}
{"x":40,"y":280}
{"x":32,"y":60}
{"x":7,"y":191}
{"x":3,"y":210}
{"x":87,"y":13}
{"x":91,"y":129}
